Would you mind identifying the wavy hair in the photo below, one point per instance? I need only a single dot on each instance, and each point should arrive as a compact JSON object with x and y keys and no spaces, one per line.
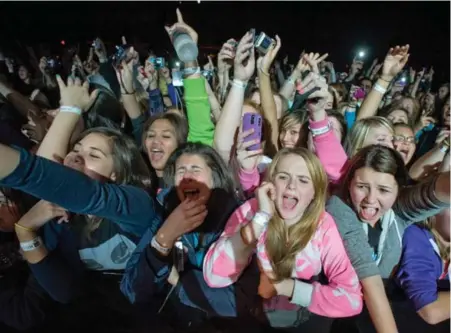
{"x":284,"y":243}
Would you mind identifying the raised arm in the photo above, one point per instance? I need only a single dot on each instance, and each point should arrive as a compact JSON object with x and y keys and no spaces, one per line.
{"x":417,"y":203}
{"x":129,"y":205}
{"x":244,"y":66}
{"x":201,"y":128}
{"x":327,"y":146}
{"x":75,"y":99}
{"x":429,"y":162}
{"x":267,"y":98}
{"x":394,"y":62}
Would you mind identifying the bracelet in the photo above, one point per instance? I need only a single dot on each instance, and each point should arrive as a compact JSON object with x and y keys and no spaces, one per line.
{"x":261,"y":218}
{"x":321,"y":130}
{"x":154,"y":243}
{"x":380,"y":77}
{"x":379,"y":88}
{"x":23,"y":228}
{"x":70,"y":109}
{"x":239,"y":84}
{"x":126,"y":94}
{"x":31,"y":245}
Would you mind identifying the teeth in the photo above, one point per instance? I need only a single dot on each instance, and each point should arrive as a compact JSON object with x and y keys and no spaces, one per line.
{"x":156,"y":151}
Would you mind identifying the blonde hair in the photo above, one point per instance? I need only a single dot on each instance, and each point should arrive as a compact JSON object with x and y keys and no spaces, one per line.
{"x":284,"y":243}
{"x":359,"y":132}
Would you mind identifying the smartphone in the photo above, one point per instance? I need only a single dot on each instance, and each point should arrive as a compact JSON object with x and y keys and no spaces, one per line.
{"x":255,"y":121}
{"x":177,"y":78}
{"x":157,"y":63}
{"x":263,"y":43}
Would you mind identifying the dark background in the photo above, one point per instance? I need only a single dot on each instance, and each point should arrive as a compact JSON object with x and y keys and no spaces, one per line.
{"x":339,"y":28}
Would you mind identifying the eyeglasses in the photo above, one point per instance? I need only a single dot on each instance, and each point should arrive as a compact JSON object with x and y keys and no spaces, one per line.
{"x":401,"y":138}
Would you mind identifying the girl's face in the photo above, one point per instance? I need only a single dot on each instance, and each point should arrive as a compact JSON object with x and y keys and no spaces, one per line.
{"x":193,"y":177}
{"x":442,"y":92}
{"x":294,"y":188}
{"x":337,"y":129}
{"x":372,"y":194}
{"x":289,"y":137}
{"x":398,"y":116}
{"x":380,"y":135}
{"x":330,"y":101}
{"x":93,"y":156}
{"x":23,"y":73}
{"x":160,"y":143}
{"x":404,"y":143}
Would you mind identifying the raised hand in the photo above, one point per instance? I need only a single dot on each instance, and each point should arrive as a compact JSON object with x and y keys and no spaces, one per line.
{"x":124,"y":75}
{"x":394,"y":62}
{"x":244,"y":62}
{"x":264,"y":63}
{"x":247,"y":159}
{"x":181,"y":26}
{"x":75,"y":93}
{"x":318,"y":99}
{"x":313,"y":59}
{"x":226,"y":55}
{"x":266,"y":194}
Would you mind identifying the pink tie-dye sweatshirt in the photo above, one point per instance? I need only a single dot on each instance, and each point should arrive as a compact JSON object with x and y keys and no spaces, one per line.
{"x":325,"y":252}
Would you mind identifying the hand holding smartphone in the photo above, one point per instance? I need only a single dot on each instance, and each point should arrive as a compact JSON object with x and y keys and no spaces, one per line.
{"x":253,"y":121}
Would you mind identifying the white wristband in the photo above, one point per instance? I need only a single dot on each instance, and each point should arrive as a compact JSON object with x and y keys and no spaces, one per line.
{"x":261,"y":219}
{"x":319,"y":131}
{"x":239,"y":84}
{"x":191,"y":71}
{"x":31,"y":245}
{"x":154,"y":243}
{"x":379,"y":88}
{"x":70,"y":109}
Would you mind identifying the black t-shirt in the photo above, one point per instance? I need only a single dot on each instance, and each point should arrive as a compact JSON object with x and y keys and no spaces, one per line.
{"x":374,"y":235}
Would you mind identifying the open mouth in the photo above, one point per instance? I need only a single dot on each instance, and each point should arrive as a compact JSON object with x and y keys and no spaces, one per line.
{"x":191,"y":193}
{"x":368,"y":213}
{"x":289,"y":202}
{"x":156,"y":154}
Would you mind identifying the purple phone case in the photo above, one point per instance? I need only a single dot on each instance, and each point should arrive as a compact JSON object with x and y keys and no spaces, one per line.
{"x":253,"y":120}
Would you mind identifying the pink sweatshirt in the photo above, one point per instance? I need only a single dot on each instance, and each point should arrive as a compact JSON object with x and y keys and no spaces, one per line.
{"x":329,"y":151}
{"x":342,"y":297}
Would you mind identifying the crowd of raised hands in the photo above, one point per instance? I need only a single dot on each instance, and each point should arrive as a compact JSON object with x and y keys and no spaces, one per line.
{"x":145,"y":194}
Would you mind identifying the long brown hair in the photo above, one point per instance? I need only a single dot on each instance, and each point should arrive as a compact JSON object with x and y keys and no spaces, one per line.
{"x":284,"y":243}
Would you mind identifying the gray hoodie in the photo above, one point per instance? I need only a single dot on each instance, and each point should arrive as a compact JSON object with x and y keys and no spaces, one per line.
{"x":414,"y":204}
